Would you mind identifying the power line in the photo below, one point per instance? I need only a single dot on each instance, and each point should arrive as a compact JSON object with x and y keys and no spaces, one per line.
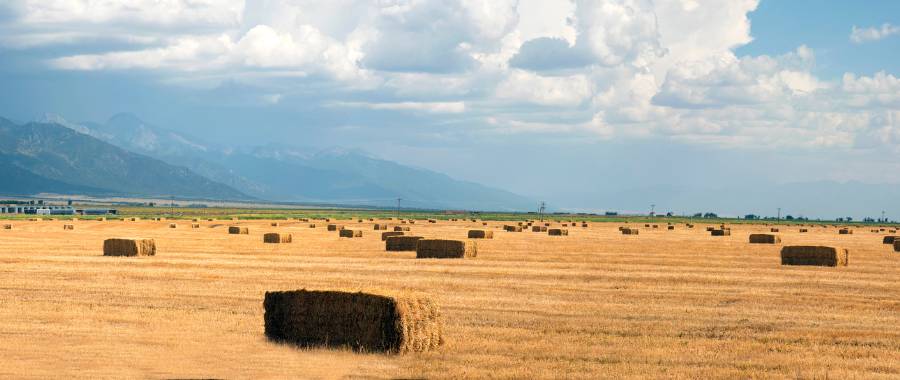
{"x":543,"y":206}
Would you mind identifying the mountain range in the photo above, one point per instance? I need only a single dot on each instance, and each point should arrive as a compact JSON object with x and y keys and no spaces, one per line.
{"x":127,"y":156}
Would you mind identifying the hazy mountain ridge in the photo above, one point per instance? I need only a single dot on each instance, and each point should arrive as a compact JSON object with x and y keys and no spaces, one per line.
{"x":281,"y":172}
{"x":54,"y":158}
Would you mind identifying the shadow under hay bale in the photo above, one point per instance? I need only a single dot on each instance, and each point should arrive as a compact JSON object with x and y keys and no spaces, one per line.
{"x":814,"y":255}
{"x":720,"y":232}
{"x":764,"y":239}
{"x":480,"y":234}
{"x":445,"y":249}
{"x":558,"y":232}
{"x":350,"y":233}
{"x":277,"y":238}
{"x":129,"y":247}
{"x":235,"y":230}
{"x":385,"y":235}
{"x":389,"y":323}
{"x":401,"y":243}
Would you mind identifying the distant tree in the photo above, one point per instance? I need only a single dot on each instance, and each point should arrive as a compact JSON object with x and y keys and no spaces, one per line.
{"x":788,"y":217}
{"x":849,"y":219}
{"x":698,"y":215}
{"x":751,"y":216}
{"x":710,"y":215}
{"x":669,"y":214}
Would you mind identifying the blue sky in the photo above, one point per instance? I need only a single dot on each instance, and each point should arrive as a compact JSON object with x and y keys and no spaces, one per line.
{"x":590,"y":99}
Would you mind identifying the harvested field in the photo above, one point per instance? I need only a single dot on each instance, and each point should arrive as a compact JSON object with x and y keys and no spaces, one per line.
{"x":593,"y":305}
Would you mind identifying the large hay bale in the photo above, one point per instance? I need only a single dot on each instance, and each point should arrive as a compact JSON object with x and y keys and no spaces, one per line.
{"x":237,"y":230}
{"x":385,"y":235}
{"x":480,"y":234}
{"x":277,"y":238}
{"x":814,"y":255}
{"x":445,"y":249}
{"x":764,"y":239}
{"x":394,"y":323}
{"x":897,"y":245}
{"x":379,"y":227}
{"x":401,"y":243}
{"x":129,"y":247}
{"x":558,"y":232}
{"x":720,"y":232}
{"x":68,"y":227}
{"x":7,"y":226}
{"x":399,"y":228}
{"x":350,"y":233}
{"x":332,"y":227}
{"x":630,"y":231}
{"x":845,"y":231}
{"x":889,"y":240}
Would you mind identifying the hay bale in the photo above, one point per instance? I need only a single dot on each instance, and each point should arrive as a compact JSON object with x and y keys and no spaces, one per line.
{"x":273,"y":224}
{"x":379,"y":227}
{"x":773,"y":230}
{"x":129,"y":247}
{"x":332,"y":227}
{"x":401,"y":243}
{"x":432,"y":221}
{"x":720,"y":232}
{"x":195,"y":225}
{"x":445,"y":249}
{"x":630,"y":231}
{"x":173,"y":225}
{"x":7,"y":226}
{"x":889,"y":240}
{"x":710,"y":228}
{"x":764,"y":239}
{"x":584,"y":225}
{"x":804,"y":230}
{"x":350,"y":233}
{"x":385,"y":235}
{"x":538,"y":229}
{"x":480,"y":234}
{"x":312,"y":225}
{"x":394,"y":323}
{"x":277,"y":238}
{"x":814,"y":255}
{"x":897,"y":245}
{"x":656,"y":226}
{"x":68,"y":227}
{"x":558,"y":232}
{"x":135,"y":219}
{"x":510,"y":228}
{"x":236,"y":230}
{"x":399,"y":228}
{"x":670,"y":228}
{"x":845,"y":231}
{"x":210,"y":220}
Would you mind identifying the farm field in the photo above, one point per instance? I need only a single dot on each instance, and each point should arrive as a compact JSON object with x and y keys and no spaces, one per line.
{"x":593,"y":304}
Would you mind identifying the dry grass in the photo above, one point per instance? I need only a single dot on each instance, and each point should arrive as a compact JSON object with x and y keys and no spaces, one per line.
{"x":675,"y":304}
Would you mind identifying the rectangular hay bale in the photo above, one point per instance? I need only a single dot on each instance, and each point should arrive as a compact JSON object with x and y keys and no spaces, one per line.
{"x":889,"y":240}
{"x":350,"y":233}
{"x":814,"y":255}
{"x":445,"y":249}
{"x":237,"y":230}
{"x":385,"y":235}
{"x":277,"y":238}
{"x":480,"y":234}
{"x":401,"y":243}
{"x":394,"y":323}
{"x":558,"y":232}
{"x":129,"y":247}
{"x":720,"y":232}
{"x":764,"y":239}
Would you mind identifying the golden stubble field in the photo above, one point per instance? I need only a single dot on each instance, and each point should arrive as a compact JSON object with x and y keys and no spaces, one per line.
{"x":594,"y":304}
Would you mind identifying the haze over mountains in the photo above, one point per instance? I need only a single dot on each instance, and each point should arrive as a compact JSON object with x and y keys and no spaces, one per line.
{"x":107,"y":158}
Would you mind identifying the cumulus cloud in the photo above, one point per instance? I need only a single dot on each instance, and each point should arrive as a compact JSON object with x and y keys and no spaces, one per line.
{"x":614,"y":68}
{"x":863,"y":35}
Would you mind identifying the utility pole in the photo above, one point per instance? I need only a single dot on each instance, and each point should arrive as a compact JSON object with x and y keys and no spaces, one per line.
{"x":779,"y":214}
{"x":543,"y":206}
{"x":652,"y":209}
{"x":883,"y":219}
{"x":398,"y":207}
{"x":172,"y":205}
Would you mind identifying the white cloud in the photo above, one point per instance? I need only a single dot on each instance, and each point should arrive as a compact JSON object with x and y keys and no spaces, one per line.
{"x":525,"y":86}
{"x":862,"y":35}
{"x":434,"y":107}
